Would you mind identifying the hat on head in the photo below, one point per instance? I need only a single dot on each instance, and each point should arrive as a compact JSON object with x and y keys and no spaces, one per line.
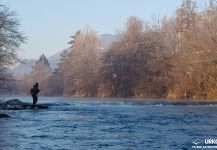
{"x":36,"y":84}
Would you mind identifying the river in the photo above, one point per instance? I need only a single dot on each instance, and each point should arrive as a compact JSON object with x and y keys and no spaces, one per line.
{"x":91,"y":124}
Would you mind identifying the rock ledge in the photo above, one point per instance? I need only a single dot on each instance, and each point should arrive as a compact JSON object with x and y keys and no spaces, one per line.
{"x":16,"y":104}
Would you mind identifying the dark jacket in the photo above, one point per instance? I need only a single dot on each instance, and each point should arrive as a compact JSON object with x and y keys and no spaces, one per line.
{"x":34,"y":91}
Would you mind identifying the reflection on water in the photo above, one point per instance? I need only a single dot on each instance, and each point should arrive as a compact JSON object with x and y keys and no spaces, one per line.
{"x":106,"y":125}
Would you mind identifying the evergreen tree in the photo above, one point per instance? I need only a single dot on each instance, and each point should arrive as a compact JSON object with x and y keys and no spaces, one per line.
{"x":41,"y":63}
{"x":41,"y":73}
{"x":81,"y":64}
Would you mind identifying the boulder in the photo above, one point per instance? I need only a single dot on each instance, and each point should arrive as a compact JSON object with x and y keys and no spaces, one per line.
{"x":16,"y":104}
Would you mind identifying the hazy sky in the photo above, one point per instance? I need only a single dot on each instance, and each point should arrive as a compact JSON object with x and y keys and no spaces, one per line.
{"x":48,"y":24}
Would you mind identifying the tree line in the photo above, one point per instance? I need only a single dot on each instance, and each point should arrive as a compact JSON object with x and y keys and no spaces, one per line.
{"x":172,"y":57}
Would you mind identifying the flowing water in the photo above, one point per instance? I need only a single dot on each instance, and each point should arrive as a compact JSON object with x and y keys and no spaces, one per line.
{"x":91,"y":124}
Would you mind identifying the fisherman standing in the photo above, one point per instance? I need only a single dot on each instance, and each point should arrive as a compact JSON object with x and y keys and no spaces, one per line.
{"x":34,"y":92}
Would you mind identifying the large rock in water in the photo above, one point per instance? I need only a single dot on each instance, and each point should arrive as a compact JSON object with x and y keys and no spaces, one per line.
{"x":16,"y":104}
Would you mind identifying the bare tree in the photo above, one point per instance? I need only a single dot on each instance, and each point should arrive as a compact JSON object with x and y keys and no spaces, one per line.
{"x":10,"y":40}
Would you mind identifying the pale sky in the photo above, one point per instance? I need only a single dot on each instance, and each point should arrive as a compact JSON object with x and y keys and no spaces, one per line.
{"x":48,"y":24}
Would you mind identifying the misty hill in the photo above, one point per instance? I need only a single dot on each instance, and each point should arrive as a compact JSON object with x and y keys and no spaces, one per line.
{"x":23,"y":68}
{"x":54,"y":59}
{"x":26,"y":67}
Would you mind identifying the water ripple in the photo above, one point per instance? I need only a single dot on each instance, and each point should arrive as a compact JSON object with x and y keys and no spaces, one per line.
{"x":108,"y":125}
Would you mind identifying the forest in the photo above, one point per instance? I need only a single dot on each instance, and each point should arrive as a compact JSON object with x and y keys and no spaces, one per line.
{"x":171,"y":57}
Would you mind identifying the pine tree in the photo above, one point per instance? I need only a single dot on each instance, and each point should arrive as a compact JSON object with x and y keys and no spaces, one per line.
{"x":81,"y":64}
{"x":41,"y":63}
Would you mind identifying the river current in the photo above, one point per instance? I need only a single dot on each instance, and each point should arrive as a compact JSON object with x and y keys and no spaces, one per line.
{"x":89,"y":124}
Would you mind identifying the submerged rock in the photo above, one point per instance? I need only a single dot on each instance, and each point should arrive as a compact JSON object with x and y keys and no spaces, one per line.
{"x":16,"y":104}
{"x":2,"y":115}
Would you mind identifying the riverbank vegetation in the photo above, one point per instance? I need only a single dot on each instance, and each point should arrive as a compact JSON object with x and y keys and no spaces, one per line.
{"x":10,"y":40}
{"x":172,"y":57}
